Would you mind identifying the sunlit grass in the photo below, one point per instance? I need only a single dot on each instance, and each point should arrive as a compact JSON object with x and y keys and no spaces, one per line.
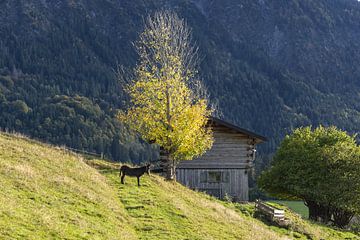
{"x":50,"y":193}
{"x":166,"y":210}
{"x":297,"y":206}
{"x":159,"y":208}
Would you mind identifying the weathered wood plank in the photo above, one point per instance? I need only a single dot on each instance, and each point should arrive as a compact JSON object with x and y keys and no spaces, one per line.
{"x":224,"y":154}
{"x":217,"y":161}
{"x":221,"y":158}
{"x":232,"y":137}
{"x":201,"y":166}
{"x":231,"y":145}
{"x":191,"y":178}
{"x":231,"y":153}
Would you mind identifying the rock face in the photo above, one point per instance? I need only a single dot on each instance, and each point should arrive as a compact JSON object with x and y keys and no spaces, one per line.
{"x":270,"y":65}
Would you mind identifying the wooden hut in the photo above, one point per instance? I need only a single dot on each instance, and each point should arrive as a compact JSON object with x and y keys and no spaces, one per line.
{"x":223,"y":170}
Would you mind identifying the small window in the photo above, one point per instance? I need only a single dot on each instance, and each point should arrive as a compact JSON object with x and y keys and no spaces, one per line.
{"x":214,"y":177}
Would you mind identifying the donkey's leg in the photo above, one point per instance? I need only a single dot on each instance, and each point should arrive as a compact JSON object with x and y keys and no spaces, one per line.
{"x":122,"y":179}
{"x":138,"y":181}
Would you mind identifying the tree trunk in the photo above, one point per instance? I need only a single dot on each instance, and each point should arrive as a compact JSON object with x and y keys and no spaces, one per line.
{"x":318,"y":212}
{"x":169,"y":166}
{"x":170,"y":169}
{"x":325,"y":214}
{"x":342,"y":218}
{"x":314,"y":211}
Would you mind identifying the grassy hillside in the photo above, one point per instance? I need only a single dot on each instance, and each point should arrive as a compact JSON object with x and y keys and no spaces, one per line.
{"x":297,"y":206}
{"x":49,"y":193}
{"x":165,"y":210}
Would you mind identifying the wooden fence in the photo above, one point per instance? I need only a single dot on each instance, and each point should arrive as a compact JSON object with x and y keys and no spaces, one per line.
{"x":273,"y":214}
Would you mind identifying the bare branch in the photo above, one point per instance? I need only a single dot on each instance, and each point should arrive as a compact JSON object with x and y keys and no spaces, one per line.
{"x":123,"y":74}
{"x":177,"y":41}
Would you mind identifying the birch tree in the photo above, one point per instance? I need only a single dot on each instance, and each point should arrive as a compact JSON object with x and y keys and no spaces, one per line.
{"x":168,"y":104}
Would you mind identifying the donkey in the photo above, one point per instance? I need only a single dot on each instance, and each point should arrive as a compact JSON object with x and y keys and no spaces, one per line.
{"x":133,"y":172}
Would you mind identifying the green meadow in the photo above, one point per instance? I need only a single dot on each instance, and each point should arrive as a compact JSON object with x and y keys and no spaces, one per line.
{"x":297,"y":206}
{"x":50,"y":193}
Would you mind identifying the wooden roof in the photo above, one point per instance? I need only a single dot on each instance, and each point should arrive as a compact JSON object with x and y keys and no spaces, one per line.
{"x":237,"y":129}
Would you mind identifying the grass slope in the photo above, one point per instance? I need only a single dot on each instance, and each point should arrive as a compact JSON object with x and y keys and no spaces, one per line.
{"x":297,"y":206}
{"x":167,"y":210}
{"x":49,"y":193}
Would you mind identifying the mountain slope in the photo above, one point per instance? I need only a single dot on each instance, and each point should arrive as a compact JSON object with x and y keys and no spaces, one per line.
{"x":269,"y":65}
{"x":51,"y":193}
{"x":306,"y":52}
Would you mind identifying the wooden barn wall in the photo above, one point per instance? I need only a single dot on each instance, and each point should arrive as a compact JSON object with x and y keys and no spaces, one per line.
{"x":229,"y":148}
{"x":237,"y":187}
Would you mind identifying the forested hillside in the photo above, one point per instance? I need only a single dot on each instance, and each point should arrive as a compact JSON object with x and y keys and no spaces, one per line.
{"x":270,"y":66}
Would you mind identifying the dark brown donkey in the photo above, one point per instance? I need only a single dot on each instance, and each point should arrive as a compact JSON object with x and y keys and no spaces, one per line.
{"x":134,"y":172}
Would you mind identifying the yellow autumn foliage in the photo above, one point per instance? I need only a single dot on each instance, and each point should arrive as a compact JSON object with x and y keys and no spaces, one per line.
{"x":165,"y":106}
